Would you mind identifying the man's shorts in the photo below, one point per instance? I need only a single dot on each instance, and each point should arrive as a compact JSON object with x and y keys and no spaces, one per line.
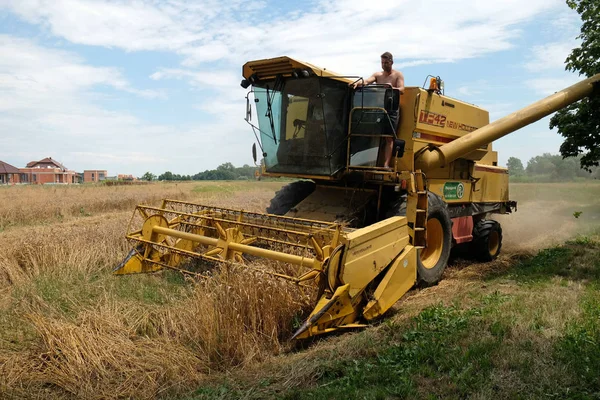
{"x":394,"y":119}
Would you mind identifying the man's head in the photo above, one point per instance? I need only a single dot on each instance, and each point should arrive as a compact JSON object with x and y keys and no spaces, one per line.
{"x":386,"y":61}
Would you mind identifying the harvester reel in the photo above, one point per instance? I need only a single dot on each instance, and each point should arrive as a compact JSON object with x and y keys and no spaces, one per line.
{"x":150,"y":223}
{"x":222,"y":251}
{"x":182,"y":244}
{"x":333,"y":267}
{"x":433,"y":259}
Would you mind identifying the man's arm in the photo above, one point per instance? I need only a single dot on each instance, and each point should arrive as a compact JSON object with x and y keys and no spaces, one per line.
{"x":400,"y":82}
{"x":365,"y":82}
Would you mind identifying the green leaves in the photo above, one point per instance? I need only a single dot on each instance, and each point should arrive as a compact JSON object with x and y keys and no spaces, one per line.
{"x":515,"y":166}
{"x":586,"y":58}
{"x":579,"y":123}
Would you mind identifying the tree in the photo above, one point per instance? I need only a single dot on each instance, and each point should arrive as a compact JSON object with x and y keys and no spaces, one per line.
{"x":554,"y":168}
{"x":515,"y":167}
{"x":148,"y":176}
{"x":167,"y":176}
{"x":226,"y":167}
{"x":541,"y":165}
{"x":579,"y":123}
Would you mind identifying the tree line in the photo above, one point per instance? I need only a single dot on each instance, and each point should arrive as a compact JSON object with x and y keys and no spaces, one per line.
{"x":550,"y":168}
{"x":545,"y":168}
{"x":224,"y":172}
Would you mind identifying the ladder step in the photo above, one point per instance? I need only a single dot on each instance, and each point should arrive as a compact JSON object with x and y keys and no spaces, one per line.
{"x":419,"y":229}
{"x":422,"y":192}
{"x":420,"y":210}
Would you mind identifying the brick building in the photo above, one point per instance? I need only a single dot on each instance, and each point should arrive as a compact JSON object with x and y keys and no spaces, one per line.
{"x":126,"y":177}
{"x":10,"y":174}
{"x":94,"y":175}
{"x":48,"y":170}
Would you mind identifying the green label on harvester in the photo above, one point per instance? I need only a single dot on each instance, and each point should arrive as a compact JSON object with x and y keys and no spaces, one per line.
{"x":454,"y":190}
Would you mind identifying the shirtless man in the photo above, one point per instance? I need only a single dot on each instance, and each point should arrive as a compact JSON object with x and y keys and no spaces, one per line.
{"x":396,"y":80}
{"x":388,"y":75}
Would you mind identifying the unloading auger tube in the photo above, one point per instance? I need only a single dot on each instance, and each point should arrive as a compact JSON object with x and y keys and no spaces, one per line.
{"x":360,"y":273}
{"x":445,"y":154}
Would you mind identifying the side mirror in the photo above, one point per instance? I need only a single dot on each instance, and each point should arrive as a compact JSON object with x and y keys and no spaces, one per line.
{"x":254,"y":152}
{"x":248,"y":110}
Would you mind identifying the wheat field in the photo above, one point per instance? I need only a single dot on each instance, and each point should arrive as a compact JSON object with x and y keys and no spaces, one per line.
{"x":70,"y":329}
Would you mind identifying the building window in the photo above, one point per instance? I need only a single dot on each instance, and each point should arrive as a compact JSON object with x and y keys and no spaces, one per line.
{"x":34,"y":177}
{"x":92,"y":176}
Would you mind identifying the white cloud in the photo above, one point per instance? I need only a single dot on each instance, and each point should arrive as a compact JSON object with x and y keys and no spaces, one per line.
{"x":136,"y":157}
{"x":131,"y":26}
{"x":550,"y":56}
{"x":48,"y":107}
{"x":567,"y":20}
{"x":561,"y":32}
{"x":548,"y":86}
{"x":468,"y":91}
{"x":234,"y":30}
{"x":215,"y":79}
{"x":498,"y":110}
{"x":33,"y":69}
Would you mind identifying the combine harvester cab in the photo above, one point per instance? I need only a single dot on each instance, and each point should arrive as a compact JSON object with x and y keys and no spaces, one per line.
{"x":359,"y":233}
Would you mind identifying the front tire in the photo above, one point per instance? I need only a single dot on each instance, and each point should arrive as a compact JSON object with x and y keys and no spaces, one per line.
{"x":289,"y":196}
{"x":433,"y":259}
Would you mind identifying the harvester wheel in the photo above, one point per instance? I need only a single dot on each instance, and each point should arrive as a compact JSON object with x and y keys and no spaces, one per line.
{"x":487,"y":240}
{"x":433,"y":259}
{"x":289,"y":196}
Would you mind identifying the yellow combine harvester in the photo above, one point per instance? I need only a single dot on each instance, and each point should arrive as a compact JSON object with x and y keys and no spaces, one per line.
{"x":363,"y":234}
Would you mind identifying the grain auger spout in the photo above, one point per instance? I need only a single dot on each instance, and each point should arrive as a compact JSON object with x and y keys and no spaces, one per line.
{"x":449,"y":152}
{"x":360,"y":232}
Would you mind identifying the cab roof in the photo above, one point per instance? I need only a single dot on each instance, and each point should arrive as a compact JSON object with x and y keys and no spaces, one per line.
{"x":269,"y":68}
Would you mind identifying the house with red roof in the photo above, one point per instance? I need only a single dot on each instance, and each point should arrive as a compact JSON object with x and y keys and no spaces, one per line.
{"x":10,"y":174}
{"x":48,"y":170}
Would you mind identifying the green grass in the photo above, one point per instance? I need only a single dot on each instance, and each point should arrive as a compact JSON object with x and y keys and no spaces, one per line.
{"x":531,"y":331}
{"x":221,"y":187}
{"x":579,"y":349}
{"x":429,"y":348}
{"x":210,"y":187}
{"x":587,"y":192}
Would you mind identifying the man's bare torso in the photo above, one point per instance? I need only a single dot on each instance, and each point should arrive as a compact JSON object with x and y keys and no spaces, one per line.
{"x":393,"y":78}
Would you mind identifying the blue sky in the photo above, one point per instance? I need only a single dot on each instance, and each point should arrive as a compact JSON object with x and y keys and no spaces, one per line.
{"x":152,"y":85}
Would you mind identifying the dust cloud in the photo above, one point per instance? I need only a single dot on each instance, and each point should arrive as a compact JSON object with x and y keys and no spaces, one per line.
{"x":541,"y":223}
{"x":532,"y":229}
